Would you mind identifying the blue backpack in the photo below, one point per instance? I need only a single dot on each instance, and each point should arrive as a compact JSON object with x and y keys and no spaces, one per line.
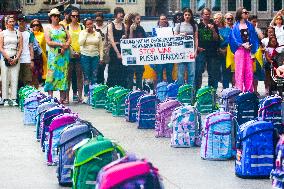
{"x":255,"y":149}
{"x":70,"y":137}
{"x":49,"y":99}
{"x":131,"y":105}
{"x":218,"y":136}
{"x":247,"y":107}
{"x":228,"y":99}
{"x":277,"y":174}
{"x":270,"y":110}
{"x":172,"y":90}
{"x":30,"y":109}
{"x":161,"y":91}
{"x":146,"y":111}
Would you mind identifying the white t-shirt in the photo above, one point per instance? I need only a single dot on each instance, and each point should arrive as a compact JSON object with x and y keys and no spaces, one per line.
{"x":279,"y":32}
{"x":26,"y":55}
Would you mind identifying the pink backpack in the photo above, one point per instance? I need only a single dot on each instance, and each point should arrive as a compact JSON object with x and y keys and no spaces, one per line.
{"x":163,"y":117}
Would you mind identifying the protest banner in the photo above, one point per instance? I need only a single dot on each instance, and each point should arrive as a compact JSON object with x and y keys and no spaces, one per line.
{"x":157,"y":50}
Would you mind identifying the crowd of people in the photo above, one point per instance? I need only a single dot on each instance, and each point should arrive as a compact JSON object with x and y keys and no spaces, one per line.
{"x":73,"y":53}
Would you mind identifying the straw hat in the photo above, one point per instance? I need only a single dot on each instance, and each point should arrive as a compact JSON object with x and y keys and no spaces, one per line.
{"x":54,"y":11}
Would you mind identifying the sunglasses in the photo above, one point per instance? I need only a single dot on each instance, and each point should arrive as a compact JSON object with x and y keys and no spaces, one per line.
{"x":246,"y":12}
{"x":34,"y":25}
{"x":55,"y":15}
{"x":278,"y":18}
{"x":229,"y":18}
{"x":75,"y":16}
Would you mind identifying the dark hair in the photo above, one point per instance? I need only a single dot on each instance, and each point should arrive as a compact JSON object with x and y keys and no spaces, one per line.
{"x":69,"y":15}
{"x":239,"y":14}
{"x":100,"y":14}
{"x":270,"y":39}
{"x":252,"y":17}
{"x":205,"y":9}
{"x":175,"y":18}
{"x":118,"y":10}
{"x":269,"y":28}
{"x":87,"y":19}
{"x":191,"y":21}
{"x":40,"y":25}
{"x":158,"y":23}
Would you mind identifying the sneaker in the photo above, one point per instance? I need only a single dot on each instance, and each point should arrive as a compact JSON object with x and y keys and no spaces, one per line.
{"x":14,"y":103}
{"x":6,"y":103}
{"x":85,"y":101}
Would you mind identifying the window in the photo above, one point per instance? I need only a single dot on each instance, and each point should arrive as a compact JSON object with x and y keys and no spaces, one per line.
{"x":262,"y":5}
{"x":232,"y":5}
{"x":30,"y":2}
{"x":277,"y":5}
{"x":216,"y":5}
{"x":132,"y":1}
{"x":185,"y":4}
{"x":200,"y":4}
{"x":120,"y":1}
{"x":247,"y":4}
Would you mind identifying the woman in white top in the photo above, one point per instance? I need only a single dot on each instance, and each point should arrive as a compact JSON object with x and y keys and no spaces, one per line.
{"x":91,"y":47}
{"x":279,"y":29}
{"x":11,"y":43}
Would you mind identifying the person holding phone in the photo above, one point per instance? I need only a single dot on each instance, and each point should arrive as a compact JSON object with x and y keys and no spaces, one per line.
{"x":244,"y":43}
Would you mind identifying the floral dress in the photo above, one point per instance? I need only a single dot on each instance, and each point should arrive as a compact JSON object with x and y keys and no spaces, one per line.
{"x":57,"y":64}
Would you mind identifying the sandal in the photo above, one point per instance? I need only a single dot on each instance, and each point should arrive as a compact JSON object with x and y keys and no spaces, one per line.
{"x":64,"y":101}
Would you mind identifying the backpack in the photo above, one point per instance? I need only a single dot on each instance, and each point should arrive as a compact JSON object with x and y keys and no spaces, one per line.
{"x":228,"y":99}
{"x":270,"y":110}
{"x":90,"y":93}
{"x":206,"y":99}
{"x":131,"y":105}
{"x":247,"y":107}
{"x":109,"y":96}
{"x":146,"y":107}
{"x":99,"y":96}
{"x":218,"y":136}
{"x":186,"y":94}
{"x":185,"y":124}
{"x":172,"y":90}
{"x":118,"y":108}
{"x":49,"y":99}
{"x":30,"y":107}
{"x":90,"y":158}
{"x":24,"y":94}
{"x":42,"y":108}
{"x":129,"y":172}
{"x":255,"y":151}
{"x":163,"y":116}
{"x":277,"y":173}
{"x":55,"y":129}
{"x":69,"y":137}
{"x":161,"y":91}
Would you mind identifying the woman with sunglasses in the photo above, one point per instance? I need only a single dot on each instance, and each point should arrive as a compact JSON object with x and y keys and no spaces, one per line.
{"x":74,"y":29}
{"x":39,"y":35}
{"x":11,"y":44}
{"x":244,"y":43}
{"x":58,"y":40}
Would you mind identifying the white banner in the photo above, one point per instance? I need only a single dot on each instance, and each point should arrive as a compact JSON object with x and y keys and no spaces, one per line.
{"x":157,"y":50}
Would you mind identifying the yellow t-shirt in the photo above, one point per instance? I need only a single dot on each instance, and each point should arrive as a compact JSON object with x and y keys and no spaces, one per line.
{"x":74,"y":35}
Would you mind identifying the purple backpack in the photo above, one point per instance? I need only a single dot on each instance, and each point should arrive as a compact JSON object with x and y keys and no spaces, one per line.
{"x":163,"y":117}
{"x":131,"y":105}
{"x":55,"y":129}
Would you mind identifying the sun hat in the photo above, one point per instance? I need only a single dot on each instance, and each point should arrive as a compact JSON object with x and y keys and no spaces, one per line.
{"x":54,"y":11}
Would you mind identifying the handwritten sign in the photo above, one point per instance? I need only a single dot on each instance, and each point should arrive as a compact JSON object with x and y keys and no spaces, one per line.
{"x":157,"y":50}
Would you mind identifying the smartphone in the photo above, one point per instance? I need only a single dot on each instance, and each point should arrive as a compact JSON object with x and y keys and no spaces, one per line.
{"x":59,"y":50}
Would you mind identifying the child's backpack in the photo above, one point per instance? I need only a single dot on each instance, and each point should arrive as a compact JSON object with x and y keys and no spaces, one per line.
{"x":161,"y":91}
{"x":146,"y":106}
{"x":109,"y":97}
{"x":255,"y":151}
{"x":55,"y":129}
{"x":172,"y":90}
{"x":30,"y":108}
{"x":118,"y":108}
{"x":277,"y":174}
{"x":90,"y":94}
{"x":42,"y":108}
{"x":228,"y":99}
{"x":99,"y":96}
{"x":47,"y":119}
{"x":185,"y":123}
{"x":129,"y":172}
{"x":218,"y":136}
{"x":23,"y":93}
{"x":206,"y":99}
{"x":70,"y":137}
{"x":270,"y":110}
{"x":247,"y":107}
{"x":90,"y":158}
{"x":186,"y":94}
{"x":131,"y":105}
{"x":163,"y":117}
{"x":49,"y":99}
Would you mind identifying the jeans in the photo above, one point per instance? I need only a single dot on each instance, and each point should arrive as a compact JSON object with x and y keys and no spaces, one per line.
{"x":89,"y":68}
{"x":190,"y":73}
{"x":138,"y":70}
{"x":213,"y":69}
{"x":226,"y":72}
{"x":159,"y":69}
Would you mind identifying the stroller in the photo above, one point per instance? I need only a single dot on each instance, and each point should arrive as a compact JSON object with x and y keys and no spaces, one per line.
{"x":278,"y":82}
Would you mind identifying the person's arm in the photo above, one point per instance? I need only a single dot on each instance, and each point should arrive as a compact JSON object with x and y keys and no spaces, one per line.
{"x":101,"y":48}
{"x":49,"y":42}
{"x":131,"y":33}
{"x":31,"y":48}
{"x":82,"y":37}
{"x":20,"y":46}
{"x":215,"y":33}
{"x":4,"y":54}
{"x":196,"y":41}
{"x":111,"y":40}
{"x":177,"y":29}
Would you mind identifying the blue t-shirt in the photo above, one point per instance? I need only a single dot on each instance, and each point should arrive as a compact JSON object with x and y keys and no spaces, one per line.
{"x":224,"y":36}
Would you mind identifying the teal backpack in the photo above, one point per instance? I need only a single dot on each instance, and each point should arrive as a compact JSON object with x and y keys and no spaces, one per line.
{"x":206,"y":100}
{"x":186,"y":94}
{"x":118,"y":108}
{"x":109,"y":97}
{"x":99,"y":96}
{"x":90,"y":158}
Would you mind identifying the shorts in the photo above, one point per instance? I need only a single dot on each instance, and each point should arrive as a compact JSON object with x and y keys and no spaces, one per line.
{"x":25,"y":74}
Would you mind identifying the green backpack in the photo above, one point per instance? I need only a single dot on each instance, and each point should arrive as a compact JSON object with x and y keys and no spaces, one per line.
{"x":118,"y":108}
{"x":99,"y":96}
{"x":186,"y":94}
{"x":110,"y":93}
{"x":206,"y":100}
{"x":90,"y":158}
{"x":24,"y":92}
